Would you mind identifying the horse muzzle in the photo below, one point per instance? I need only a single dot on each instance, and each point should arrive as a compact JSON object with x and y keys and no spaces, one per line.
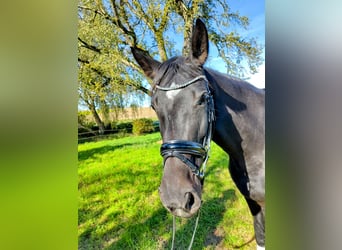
{"x":181,"y":187}
{"x":184,"y":206}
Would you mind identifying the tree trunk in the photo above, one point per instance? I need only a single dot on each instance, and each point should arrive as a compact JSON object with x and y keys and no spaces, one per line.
{"x":161,"y":46}
{"x":97,"y":118}
{"x":187,"y":38}
{"x":187,"y":13}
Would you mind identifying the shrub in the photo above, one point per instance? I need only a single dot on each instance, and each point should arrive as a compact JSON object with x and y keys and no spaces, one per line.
{"x":156,"y":125}
{"x":125,"y":127}
{"x":141,"y":126}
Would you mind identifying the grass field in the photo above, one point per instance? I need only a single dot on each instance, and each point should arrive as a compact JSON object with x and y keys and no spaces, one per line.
{"x":119,"y":206}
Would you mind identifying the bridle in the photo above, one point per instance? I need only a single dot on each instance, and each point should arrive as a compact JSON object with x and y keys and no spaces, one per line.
{"x":178,"y":148}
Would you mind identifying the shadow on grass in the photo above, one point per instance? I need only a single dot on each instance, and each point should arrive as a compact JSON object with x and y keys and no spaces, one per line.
{"x":135,"y":235}
{"x":90,"y":153}
{"x":138,"y":235}
{"x":97,"y":191}
{"x":211,"y":215}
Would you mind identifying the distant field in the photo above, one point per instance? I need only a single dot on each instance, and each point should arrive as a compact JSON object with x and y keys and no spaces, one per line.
{"x":128,"y":114}
{"x":119,"y":206}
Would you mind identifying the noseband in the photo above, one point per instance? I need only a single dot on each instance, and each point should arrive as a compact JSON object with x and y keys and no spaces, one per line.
{"x":180,"y":148}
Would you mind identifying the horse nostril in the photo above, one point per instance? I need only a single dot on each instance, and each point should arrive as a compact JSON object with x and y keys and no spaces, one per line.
{"x":190,"y":200}
{"x":171,"y":208}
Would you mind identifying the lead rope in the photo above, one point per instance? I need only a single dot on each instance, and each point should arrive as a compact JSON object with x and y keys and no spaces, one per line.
{"x":173,"y":231}
{"x":193,"y":234}
{"x":195,"y":229}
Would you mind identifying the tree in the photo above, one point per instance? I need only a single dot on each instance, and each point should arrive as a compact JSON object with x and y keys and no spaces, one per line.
{"x":107,"y":28}
{"x":103,"y":80}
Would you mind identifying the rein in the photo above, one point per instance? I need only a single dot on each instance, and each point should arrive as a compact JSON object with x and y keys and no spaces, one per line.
{"x":177,"y":148}
{"x":174,"y":231}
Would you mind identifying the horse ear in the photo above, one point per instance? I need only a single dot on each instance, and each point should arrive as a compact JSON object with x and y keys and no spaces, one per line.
{"x":199,"y":43}
{"x":146,"y":62}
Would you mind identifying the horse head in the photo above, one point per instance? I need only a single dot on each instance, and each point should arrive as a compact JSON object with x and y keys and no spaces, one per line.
{"x":184,"y":106}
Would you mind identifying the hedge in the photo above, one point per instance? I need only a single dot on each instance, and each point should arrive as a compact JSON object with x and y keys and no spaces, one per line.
{"x":142,"y":126}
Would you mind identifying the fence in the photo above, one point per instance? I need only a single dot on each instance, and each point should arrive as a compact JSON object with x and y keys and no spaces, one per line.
{"x":94,"y":134}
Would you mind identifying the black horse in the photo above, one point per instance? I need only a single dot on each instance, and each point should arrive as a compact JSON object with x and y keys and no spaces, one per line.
{"x":195,"y":104}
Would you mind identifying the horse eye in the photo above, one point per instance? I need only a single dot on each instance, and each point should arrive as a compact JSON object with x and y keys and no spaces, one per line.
{"x":201,"y":100}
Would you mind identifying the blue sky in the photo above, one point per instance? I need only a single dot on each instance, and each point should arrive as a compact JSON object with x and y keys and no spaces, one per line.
{"x":255,"y":11}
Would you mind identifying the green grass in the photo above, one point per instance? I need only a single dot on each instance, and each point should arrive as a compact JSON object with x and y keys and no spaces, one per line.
{"x":119,"y":205}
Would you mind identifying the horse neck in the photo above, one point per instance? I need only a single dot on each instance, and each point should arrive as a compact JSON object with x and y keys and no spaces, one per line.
{"x":235,"y":116}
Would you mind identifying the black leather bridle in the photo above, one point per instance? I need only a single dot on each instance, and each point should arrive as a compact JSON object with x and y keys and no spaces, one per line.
{"x":180,"y":148}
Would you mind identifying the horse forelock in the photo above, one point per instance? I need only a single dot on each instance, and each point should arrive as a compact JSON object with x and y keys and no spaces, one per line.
{"x":175,"y":70}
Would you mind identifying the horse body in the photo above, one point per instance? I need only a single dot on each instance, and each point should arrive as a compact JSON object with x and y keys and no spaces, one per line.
{"x":182,"y":97}
{"x":239,"y":131}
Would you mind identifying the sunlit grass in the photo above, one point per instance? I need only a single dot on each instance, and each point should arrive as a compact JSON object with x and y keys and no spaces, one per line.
{"x":119,"y":206}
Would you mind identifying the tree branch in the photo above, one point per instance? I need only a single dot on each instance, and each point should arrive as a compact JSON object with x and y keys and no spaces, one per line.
{"x":117,"y":22}
{"x":88,"y":46}
{"x":99,"y":72}
{"x":113,"y":19}
{"x":94,"y":48}
{"x":110,"y":79}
